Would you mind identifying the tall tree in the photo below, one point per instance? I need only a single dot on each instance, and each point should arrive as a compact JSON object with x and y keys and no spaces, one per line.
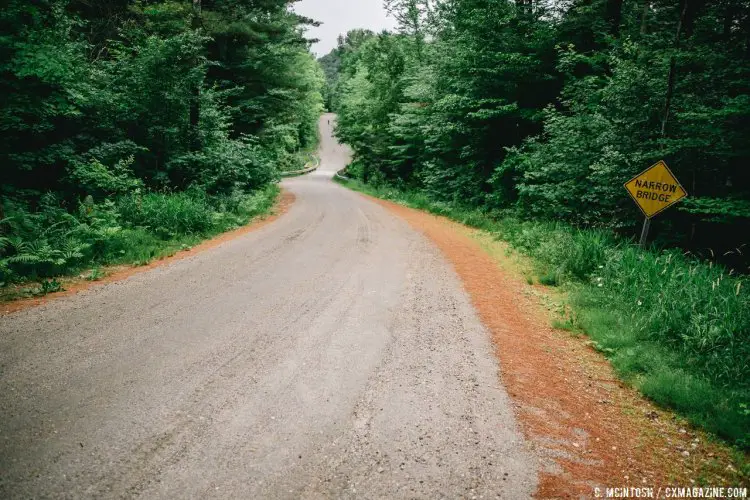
{"x":548,"y":107}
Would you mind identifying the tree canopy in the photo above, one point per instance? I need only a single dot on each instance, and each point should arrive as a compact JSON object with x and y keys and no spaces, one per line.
{"x":101,"y":100}
{"x":547,"y":108}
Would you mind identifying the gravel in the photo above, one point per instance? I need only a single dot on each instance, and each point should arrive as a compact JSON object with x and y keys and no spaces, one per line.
{"x":332,"y":353}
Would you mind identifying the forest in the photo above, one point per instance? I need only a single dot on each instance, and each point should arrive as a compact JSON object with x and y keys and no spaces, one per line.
{"x":131,"y":128}
{"x":525,"y":118}
{"x":549,"y":107}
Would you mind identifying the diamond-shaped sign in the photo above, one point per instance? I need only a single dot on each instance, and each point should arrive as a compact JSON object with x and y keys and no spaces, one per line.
{"x":655,"y":189}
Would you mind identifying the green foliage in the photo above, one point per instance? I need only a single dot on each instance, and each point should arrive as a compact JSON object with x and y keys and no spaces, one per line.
{"x":128,"y":124}
{"x":565,"y":253}
{"x":676,"y":328}
{"x":95,"y":274}
{"x":95,"y":177}
{"x":49,"y":286}
{"x":45,"y":243}
{"x":698,"y":310}
{"x":548,"y":109}
{"x":135,"y":229}
{"x":718,"y":209}
{"x":166,"y":214}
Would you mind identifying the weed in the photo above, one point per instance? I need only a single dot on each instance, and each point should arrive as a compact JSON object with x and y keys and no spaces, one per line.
{"x":95,"y":274}
{"x":549,"y":280}
{"x":48,"y":286}
{"x":564,"y":324}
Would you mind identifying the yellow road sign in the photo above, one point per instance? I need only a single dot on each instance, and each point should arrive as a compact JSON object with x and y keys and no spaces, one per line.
{"x":655,"y":189}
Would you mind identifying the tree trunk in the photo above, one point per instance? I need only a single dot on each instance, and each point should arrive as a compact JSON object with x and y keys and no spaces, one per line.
{"x":691,"y":14}
{"x":614,"y":16}
{"x":644,"y":16}
{"x":670,"y":91}
{"x":672,"y":70}
{"x":195,"y":142}
{"x":693,"y":225}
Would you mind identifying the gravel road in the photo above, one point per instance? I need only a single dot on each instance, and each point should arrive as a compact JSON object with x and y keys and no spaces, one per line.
{"x":332,"y":353}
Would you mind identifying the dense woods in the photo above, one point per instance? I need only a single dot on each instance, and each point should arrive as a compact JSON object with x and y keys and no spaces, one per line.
{"x":549,"y":107}
{"x":134,"y":128}
{"x":128,"y":123}
{"x":525,"y":118}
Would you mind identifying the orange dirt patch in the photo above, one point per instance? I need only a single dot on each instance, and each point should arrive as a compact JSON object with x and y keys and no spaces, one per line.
{"x":587,"y":428}
{"x":117,"y":273}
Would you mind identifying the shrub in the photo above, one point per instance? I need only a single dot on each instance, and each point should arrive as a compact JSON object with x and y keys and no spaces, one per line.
{"x":167,"y":214}
{"x":44,"y":243}
{"x":134,"y":228}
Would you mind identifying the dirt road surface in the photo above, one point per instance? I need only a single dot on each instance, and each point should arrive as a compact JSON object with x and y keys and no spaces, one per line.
{"x":331,"y":353}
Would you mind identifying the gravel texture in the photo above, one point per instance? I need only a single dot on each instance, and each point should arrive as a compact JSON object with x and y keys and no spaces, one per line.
{"x":332,"y":353}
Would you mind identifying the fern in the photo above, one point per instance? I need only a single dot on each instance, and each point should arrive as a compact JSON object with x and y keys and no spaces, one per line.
{"x":24,"y":258}
{"x":74,"y":250}
{"x":16,"y":244}
{"x":4,"y":243}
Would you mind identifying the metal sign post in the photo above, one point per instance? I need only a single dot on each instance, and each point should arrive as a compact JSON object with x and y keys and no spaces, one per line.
{"x":644,"y":232}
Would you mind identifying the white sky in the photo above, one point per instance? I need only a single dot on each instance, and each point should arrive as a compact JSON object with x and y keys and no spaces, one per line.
{"x":340,"y":16}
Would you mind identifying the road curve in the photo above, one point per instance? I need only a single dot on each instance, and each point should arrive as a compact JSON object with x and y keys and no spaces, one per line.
{"x":332,"y":353}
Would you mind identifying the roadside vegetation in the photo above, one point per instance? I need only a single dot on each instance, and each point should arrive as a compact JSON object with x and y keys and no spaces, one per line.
{"x":548,"y":108}
{"x":135,"y":229}
{"x":526,"y":119}
{"x":133,"y":128}
{"x":668,"y":323}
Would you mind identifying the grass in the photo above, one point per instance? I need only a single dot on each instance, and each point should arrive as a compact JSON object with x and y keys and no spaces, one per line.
{"x":675,"y":328}
{"x":133,"y":230}
{"x":302,"y":159}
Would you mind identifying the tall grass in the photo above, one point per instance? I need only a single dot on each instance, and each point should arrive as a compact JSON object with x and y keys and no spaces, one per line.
{"x":167,"y":214}
{"x":135,"y":229}
{"x":676,"y":328}
{"x":679,"y":330}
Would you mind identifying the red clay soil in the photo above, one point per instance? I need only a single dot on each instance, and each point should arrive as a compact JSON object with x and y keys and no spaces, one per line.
{"x":117,"y":273}
{"x":587,"y":428}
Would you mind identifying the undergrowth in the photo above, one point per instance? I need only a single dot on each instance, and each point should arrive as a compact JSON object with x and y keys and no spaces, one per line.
{"x":676,"y":328}
{"x":54,"y":241}
{"x":301,"y":159}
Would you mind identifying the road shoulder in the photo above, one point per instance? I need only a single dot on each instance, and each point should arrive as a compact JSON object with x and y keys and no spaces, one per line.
{"x":587,"y":427}
{"x":110,"y":274}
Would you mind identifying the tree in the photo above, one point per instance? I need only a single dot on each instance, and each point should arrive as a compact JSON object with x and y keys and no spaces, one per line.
{"x":547,"y":108}
{"x":107,"y":102}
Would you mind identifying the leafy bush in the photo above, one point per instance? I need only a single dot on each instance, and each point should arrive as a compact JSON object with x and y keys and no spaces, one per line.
{"x":41,"y":244}
{"x":135,"y":228}
{"x":228,"y":165}
{"x":167,"y":214}
{"x":95,"y":176}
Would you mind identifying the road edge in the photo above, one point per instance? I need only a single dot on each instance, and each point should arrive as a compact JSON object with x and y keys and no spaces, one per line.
{"x":74,"y":285}
{"x":306,"y":170}
{"x":588,"y":428}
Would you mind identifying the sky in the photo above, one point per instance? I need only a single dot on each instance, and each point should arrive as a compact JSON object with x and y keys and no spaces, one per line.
{"x":340,"y":16}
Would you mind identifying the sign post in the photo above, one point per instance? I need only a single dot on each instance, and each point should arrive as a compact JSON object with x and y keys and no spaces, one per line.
{"x":654,"y":190}
{"x":644,"y":232}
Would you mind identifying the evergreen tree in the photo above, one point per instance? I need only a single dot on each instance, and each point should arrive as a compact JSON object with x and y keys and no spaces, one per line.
{"x":547,"y":108}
